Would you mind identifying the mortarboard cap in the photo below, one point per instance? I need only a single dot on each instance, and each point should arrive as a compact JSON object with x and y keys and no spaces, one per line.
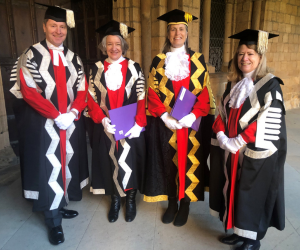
{"x":59,"y":14}
{"x":177,"y":16}
{"x":257,"y":37}
{"x":115,"y":28}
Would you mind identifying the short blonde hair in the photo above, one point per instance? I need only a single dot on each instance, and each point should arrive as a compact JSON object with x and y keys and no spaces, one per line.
{"x":235,"y":74}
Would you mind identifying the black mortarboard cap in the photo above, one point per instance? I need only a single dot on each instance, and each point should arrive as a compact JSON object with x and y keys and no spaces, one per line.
{"x":59,"y":14}
{"x":177,"y":16}
{"x":257,"y":37}
{"x":115,"y":28}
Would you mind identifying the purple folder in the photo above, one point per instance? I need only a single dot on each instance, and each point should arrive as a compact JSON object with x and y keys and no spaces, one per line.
{"x":124,"y":119}
{"x":184,"y":105}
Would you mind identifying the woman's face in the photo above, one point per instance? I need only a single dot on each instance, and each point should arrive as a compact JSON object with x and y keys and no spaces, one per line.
{"x":113,"y":47}
{"x":248,"y":59}
{"x":177,"y":35}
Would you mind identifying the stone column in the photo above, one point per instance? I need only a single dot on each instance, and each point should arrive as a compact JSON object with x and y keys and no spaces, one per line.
{"x":206,"y":33}
{"x":172,"y":4}
{"x":146,"y":36}
{"x":256,"y":11}
{"x":227,"y":33}
{"x":4,"y":138}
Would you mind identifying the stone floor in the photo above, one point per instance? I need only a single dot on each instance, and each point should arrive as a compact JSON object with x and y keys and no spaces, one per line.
{"x":21,"y":229}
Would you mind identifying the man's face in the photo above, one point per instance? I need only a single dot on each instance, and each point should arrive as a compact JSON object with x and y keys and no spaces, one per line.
{"x":56,"y":32}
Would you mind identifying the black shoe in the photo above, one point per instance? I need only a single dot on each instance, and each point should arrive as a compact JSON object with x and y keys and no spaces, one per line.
{"x":183,"y":213}
{"x":56,"y":235}
{"x":171,"y":211}
{"x":113,"y":214}
{"x":68,"y":214}
{"x":130,"y":205}
{"x":232,"y":239}
{"x":249,"y":246}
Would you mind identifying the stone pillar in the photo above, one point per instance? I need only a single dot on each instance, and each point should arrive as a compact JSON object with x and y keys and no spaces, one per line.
{"x":256,"y":12}
{"x":206,"y":33}
{"x":227,"y":33}
{"x":146,"y":36}
{"x":172,"y":4}
{"x":4,"y":138}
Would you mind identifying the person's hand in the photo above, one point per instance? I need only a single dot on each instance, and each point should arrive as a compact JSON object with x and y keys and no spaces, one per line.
{"x":230,"y":144}
{"x":107,"y":126}
{"x":64,"y":121}
{"x":234,"y":144}
{"x":134,"y":132}
{"x":170,"y":122}
{"x":187,"y":121}
{"x":222,"y":138}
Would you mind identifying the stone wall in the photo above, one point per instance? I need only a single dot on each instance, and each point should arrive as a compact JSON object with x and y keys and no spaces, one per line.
{"x":283,"y":18}
{"x":4,"y":139}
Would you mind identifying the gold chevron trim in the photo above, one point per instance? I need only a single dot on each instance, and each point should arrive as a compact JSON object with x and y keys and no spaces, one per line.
{"x":212,"y":100}
{"x":162,"y":88}
{"x":155,"y":198}
{"x":197,"y":73}
{"x":196,"y":163}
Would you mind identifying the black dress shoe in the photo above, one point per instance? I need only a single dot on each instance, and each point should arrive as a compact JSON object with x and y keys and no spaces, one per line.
{"x":68,"y":214}
{"x":232,"y":239}
{"x":183,"y":213}
{"x":171,"y":211}
{"x":249,"y":246}
{"x":113,"y":214}
{"x":130,"y":205}
{"x":56,"y":235}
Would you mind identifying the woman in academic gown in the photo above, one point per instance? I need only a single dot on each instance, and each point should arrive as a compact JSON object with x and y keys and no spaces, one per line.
{"x":177,"y":154}
{"x":248,"y":148}
{"x":117,"y":166}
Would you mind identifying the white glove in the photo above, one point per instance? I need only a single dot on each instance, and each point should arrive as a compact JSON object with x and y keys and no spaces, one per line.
{"x":222,"y":138}
{"x":234,"y":144}
{"x":230,"y":144}
{"x":135,"y":131}
{"x":65,"y":120}
{"x":187,"y":121}
{"x":107,"y":126}
{"x":170,"y":122}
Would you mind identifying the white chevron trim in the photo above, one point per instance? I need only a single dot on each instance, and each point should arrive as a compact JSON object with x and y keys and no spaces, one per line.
{"x":59,"y":192}
{"x":123,"y":164}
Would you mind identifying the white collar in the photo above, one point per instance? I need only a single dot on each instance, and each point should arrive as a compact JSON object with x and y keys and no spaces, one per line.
{"x":176,"y":50}
{"x":51,"y":45}
{"x":109,"y":60}
{"x":249,"y":75}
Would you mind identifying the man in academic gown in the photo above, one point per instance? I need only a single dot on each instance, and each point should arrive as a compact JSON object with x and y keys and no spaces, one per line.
{"x":50,"y":86}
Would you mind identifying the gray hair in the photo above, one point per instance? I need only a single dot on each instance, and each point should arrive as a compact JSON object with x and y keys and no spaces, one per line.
{"x":167,"y":45}
{"x":124,"y":45}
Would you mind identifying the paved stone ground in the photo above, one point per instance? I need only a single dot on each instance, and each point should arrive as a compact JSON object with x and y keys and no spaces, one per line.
{"x":22,"y":229}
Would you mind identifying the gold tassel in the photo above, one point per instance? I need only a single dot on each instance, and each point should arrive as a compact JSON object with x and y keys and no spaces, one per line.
{"x":124,"y":30}
{"x":69,"y":17}
{"x":188,"y":17}
{"x":262,"y":42}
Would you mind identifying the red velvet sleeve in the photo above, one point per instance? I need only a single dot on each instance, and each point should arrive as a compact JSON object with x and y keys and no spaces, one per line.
{"x":80,"y":100}
{"x":155,"y":106}
{"x":249,"y":134}
{"x":218,"y":125}
{"x":202,"y":105}
{"x":140,"y":117}
{"x":94,"y":110}
{"x":43,"y":106}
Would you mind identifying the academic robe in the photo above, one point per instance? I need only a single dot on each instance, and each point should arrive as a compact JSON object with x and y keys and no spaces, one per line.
{"x":177,"y":159}
{"x":246,"y":188}
{"x":117,"y":166}
{"x":53,"y":162}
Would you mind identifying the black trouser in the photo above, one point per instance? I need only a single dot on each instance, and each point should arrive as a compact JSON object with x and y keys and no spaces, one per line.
{"x":53,"y":218}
